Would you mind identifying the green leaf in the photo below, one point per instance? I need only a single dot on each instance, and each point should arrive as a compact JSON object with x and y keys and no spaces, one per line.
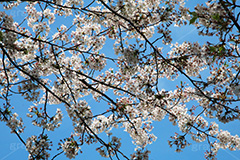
{"x":214,"y":57}
{"x":194,"y":17}
{"x":212,"y":49}
{"x":221,"y":48}
{"x":7,"y":111}
{"x":193,"y":13}
{"x":193,"y":20}
{"x":25,"y":51}
{"x":216,"y":17}
{"x":225,"y":64}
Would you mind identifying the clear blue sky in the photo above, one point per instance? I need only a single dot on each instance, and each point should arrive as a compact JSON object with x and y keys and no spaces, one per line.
{"x":11,"y":148}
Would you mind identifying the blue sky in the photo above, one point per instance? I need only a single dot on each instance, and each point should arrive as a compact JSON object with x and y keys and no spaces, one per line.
{"x":11,"y":148}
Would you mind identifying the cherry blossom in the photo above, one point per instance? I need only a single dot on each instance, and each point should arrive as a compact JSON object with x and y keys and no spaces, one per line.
{"x":123,"y":56}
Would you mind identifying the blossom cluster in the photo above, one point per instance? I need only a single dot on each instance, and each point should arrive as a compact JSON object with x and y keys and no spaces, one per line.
{"x":144,"y":155}
{"x":16,"y":125}
{"x":96,"y":62}
{"x":38,"y":147}
{"x":43,"y":120}
{"x":212,"y":16}
{"x":80,"y":115}
{"x":131,"y":57}
{"x":70,"y":148}
{"x":7,"y":38}
{"x":115,"y":144}
{"x":226,"y":140}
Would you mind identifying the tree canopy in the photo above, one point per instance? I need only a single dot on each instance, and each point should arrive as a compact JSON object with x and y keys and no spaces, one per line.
{"x":119,"y":52}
